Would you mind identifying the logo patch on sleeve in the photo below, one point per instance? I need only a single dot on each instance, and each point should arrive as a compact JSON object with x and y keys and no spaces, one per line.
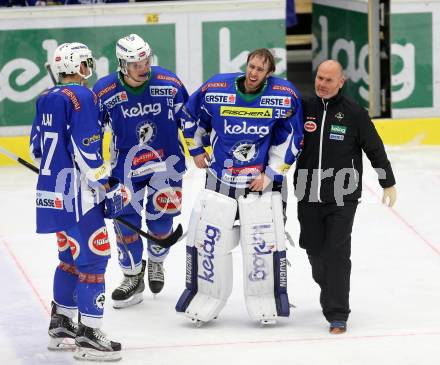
{"x":107,"y":89}
{"x":169,"y":78}
{"x":285,"y":88}
{"x":216,"y":85}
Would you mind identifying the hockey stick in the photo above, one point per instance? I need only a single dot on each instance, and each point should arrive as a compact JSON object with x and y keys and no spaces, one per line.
{"x":19,"y":160}
{"x":50,"y":73}
{"x":162,"y":242}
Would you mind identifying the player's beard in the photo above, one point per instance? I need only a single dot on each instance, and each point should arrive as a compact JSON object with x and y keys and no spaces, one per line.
{"x":253,"y":85}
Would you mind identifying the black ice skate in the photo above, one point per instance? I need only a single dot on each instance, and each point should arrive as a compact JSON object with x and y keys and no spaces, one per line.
{"x":62,"y":331}
{"x":156,"y":278}
{"x":130,"y":291}
{"x":93,"y":345}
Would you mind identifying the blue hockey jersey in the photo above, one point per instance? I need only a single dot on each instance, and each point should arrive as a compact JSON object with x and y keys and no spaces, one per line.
{"x":249,"y":133}
{"x":66,"y":143}
{"x":144,"y":123}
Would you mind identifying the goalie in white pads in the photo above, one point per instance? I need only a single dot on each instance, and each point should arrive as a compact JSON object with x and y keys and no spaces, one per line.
{"x":254,"y":122}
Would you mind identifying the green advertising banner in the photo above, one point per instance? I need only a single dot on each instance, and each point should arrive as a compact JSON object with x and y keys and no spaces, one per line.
{"x":341,"y":33}
{"x":411,"y":62}
{"x":226,"y":44}
{"x":24,"y":76}
{"x":192,"y":39}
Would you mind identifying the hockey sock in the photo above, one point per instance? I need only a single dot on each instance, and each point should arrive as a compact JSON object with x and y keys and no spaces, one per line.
{"x":130,"y":256}
{"x":91,"y":299}
{"x":64,"y":286}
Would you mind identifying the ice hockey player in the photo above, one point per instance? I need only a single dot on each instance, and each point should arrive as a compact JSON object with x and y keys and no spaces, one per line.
{"x":254,"y":121}
{"x":72,"y":189}
{"x":143,"y":105}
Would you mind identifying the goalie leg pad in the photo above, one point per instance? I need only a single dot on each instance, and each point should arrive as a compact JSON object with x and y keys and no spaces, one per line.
{"x":263,"y":245}
{"x":211,"y":237}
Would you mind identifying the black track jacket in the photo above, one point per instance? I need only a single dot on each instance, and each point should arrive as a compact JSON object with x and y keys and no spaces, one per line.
{"x":329,"y":168}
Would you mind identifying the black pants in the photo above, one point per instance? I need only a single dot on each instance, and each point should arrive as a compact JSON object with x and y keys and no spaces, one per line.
{"x":326,"y":236}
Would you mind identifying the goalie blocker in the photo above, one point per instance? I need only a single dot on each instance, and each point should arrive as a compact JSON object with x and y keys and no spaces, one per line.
{"x":211,"y":238}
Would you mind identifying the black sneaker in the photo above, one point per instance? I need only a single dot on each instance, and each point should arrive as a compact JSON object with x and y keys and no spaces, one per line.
{"x":92,"y":344}
{"x":130,"y":291}
{"x":156,"y":278}
{"x":62,"y":331}
{"x":338,"y":327}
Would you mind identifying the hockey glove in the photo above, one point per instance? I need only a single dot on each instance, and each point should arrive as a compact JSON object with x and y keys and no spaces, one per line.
{"x":114,"y":201}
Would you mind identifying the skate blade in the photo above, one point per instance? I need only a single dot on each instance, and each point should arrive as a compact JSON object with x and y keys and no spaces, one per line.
{"x":86,"y":354}
{"x":61,"y":344}
{"x":135,"y":299}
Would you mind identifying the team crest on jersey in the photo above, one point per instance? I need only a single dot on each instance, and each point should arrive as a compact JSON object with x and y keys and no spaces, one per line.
{"x":163,"y":91}
{"x":49,"y":200}
{"x":244,"y":151}
{"x":63,"y":245}
{"x":168,"y":200}
{"x":310,"y":126}
{"x":116,"y":99}
{"x":220,"y":98}
{"x":99,"y":243}
{"x":146,"y":132}
{"x":74,"y":247}
{"x":276,"y":101}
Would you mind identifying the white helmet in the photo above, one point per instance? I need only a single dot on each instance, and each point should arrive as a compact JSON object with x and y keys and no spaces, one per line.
{"x":68,"y":57}
{"x":132,"y":48}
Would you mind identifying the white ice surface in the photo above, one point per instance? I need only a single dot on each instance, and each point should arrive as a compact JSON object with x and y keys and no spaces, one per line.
{"x":395,"y":287}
